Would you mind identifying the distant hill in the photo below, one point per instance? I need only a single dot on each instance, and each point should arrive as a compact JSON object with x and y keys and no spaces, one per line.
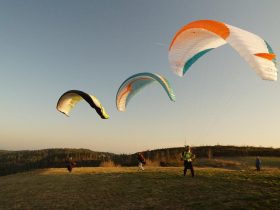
{"x":172,"y":156}
{"x":18,"y":161}
{"x":214,"y":151}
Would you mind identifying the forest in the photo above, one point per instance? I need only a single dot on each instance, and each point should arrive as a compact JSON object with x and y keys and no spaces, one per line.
{"x":25,"y":160}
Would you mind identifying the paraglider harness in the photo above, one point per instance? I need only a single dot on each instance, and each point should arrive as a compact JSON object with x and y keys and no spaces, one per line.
{"x":187,"y":156}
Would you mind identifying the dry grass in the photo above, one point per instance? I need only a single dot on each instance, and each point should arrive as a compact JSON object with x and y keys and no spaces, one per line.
{"x":108,"y":164}
{"x":152,"y":163}
{"x":129,"y":188}
{"x":218,"y":163}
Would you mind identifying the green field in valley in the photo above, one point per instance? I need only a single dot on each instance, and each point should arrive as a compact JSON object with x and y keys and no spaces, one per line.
{"x":154,"y":188}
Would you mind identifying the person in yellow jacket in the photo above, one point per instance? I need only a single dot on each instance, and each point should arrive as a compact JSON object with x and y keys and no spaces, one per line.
{"x":188,"y":157}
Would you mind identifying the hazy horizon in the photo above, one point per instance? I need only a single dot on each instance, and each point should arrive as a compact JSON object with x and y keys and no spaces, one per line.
{"x":132,"y":152}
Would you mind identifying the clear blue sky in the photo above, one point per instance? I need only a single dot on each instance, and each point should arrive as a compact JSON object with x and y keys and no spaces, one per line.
{"x":49,"y":47}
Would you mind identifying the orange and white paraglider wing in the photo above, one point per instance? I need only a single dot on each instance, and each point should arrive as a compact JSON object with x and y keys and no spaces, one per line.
{"x":136,"y":83}
{"x":193,"y":41}
{"x":199,"y":37}
{"x":255,"y":50}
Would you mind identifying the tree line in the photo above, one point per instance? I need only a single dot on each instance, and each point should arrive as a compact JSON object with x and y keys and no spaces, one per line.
{"x":19,"y":161}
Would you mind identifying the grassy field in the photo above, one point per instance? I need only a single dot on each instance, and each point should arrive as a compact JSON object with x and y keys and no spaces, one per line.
{"x":238,"y":163}
{"x":154,"y":188}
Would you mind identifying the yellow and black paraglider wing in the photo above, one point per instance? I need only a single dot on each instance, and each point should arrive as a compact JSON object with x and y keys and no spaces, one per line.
{"x":69,"y":99}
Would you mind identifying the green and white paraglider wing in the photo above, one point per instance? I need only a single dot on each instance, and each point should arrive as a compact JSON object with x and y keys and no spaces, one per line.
{"x":136,"y":83}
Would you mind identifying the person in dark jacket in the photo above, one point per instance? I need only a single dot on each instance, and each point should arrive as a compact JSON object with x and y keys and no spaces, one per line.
{"x":70,"y":164}
{"x":141,"y":161}
{"x":258,"y":163}
{"x":188,"y":157}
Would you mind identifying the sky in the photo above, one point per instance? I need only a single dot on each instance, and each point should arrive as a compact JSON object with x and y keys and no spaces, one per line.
{"x":50,"y":47}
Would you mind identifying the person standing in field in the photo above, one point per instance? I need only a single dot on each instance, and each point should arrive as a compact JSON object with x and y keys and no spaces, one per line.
{"x":141,"y":161}
{"x":258,"y":163}
{"x":70,"y":164}
{"x":188,"y":157}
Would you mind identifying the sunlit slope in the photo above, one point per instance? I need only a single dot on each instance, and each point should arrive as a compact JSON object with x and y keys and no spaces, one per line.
{"x":128,"y":188}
